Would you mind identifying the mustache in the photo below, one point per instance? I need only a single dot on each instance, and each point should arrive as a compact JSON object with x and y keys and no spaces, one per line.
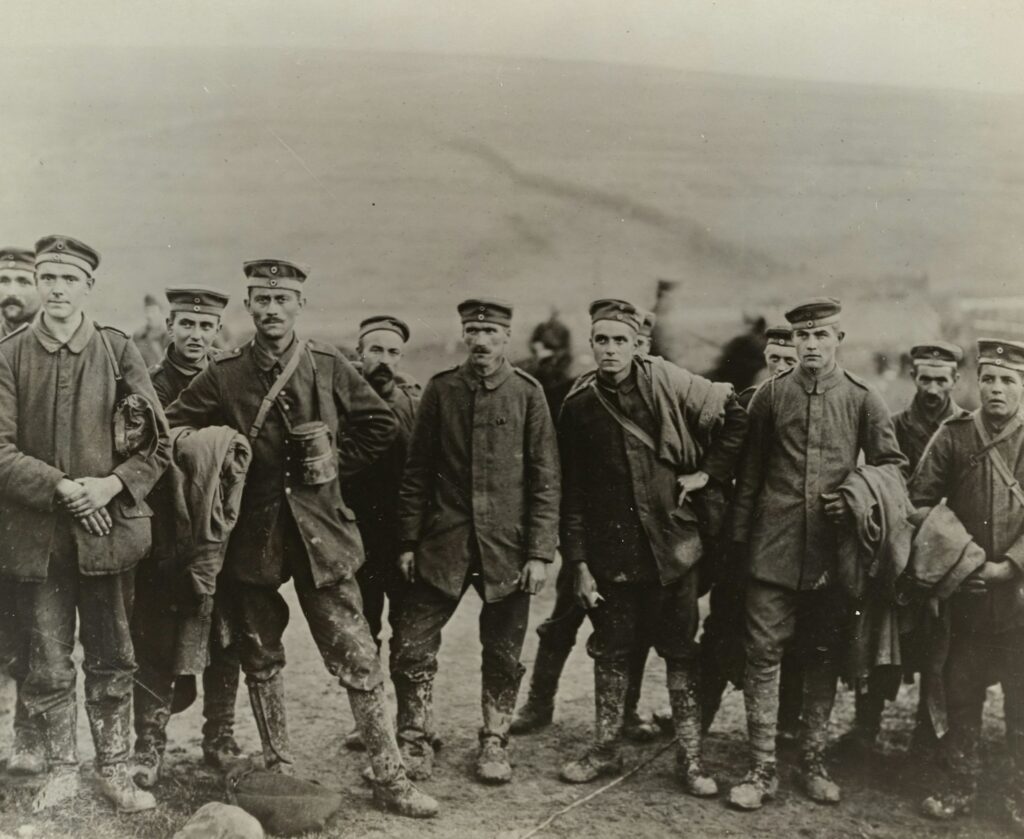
{"x":11,"y":301}
{"x":381,"y":374}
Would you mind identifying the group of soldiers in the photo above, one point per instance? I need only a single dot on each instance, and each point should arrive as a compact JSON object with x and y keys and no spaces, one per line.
{"x":654,"y":484}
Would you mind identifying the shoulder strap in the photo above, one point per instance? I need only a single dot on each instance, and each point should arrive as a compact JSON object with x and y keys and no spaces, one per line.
{"x":626,"y":423}
{"x":110,"y":353}
{"x":275,"y":390}
{"x":996,"y":459}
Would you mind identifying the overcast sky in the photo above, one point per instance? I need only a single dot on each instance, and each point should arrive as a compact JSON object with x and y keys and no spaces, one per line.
{"x":966,"y":44}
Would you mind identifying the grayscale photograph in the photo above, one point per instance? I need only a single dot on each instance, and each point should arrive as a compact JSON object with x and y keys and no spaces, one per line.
{"x":556,"y":419}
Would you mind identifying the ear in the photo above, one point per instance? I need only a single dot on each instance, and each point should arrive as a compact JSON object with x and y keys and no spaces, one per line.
{"x":302,"y":300}
{"x":247,"y":304}
{"x":840,"y":335}
{"x":170,"y":321}
{"x":90,"y":282}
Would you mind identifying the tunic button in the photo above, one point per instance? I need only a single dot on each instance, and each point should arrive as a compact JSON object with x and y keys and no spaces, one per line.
{"x":287,"y":490}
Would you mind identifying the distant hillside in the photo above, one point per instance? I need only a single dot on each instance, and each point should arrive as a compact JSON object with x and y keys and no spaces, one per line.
{"x":409,"y":181}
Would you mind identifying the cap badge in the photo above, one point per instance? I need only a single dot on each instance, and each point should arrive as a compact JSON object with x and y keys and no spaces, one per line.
{"x":273,"y":283}
{"x":59,"y":245}
{"x":273,"y":269}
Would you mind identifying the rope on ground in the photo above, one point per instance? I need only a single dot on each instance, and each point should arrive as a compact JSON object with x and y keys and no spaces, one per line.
{"x":533,"y":831}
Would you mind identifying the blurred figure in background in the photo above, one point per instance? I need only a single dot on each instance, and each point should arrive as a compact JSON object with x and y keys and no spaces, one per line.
{"x":550,"y":360}
{"x":152,"y":338}
{"x":742,"y":358}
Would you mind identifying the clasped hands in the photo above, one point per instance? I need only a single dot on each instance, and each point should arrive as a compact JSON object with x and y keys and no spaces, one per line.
{"x":87,"y":499}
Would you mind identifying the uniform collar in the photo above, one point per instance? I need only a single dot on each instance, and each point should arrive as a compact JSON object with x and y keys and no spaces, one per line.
{"x":172,"y":358}
{"x":52,"y":344}
{"x":496,"y":379}
{"x":266,"y":360}
{"x":626,"y":385}
{"x":818,"y":384}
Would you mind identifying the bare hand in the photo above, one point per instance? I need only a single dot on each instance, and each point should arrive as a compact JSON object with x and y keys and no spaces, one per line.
{"x":990,"y":573}
{"x":585,"y":588}
{"x":69,"y":491}
{"x":407,"y":566}
{"x":691,"y":483}
{"x":533,"y":576}
{"x":99,"y":492}
{"x":98,"y":523}
{"x":836,"y":507}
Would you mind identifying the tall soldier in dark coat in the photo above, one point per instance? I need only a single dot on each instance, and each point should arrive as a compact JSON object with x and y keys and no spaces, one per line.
{"x":643,"y":442}
{"x":74,"y":518}
{"x":19,"y":303}
{"x":373,"y":493}
{"x":479,"y":506}
{"x":807,"y":429}
{"x":976,"y":462}
{"x":293,"y":522}
{"x":936,"y":372}
{"x":193,"y":323}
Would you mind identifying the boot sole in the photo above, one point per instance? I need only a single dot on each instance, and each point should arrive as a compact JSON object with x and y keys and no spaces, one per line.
{"x":398,"y":810}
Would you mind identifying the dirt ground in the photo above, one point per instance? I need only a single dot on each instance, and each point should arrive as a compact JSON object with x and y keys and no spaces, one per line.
{"x":879,"y":795}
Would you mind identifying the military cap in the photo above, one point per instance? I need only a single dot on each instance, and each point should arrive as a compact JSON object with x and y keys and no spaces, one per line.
{"x":486,"y":310}
{"x":780,"y":335}
{"x":647,"y":321}
{"x":620,"y":310}
{"x":388,"y":322}
{"x":1008,"y":354}
{"x":275,"y":273}
{"x":815,"y":311}
{"x":17,"y":259}
{"x":66,"y":250}
{"x":197,"y":299}
{"x":937,"y":352}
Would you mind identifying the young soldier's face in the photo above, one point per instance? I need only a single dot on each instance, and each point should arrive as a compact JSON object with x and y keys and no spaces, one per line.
{"x":934,"y":383}
{"x":274,"y":310}
{"x":486,"y":343}
{"x":643,"y":344}
{"x":614,"y":345}
{"x":381,"y":352}
{"x":816,"y":346}
{"x":19,"y":297}
{"x":63,"y":289}
{"x":193,"y":334}
{"x":1000,"y":391}
{"x":779,"y":358}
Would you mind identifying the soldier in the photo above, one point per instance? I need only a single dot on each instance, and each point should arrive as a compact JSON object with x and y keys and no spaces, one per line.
{"x":976,"y":462}
{"x":807,"y":429}
{"x":193,"y":323}
{"x":74,"y":517}
{"x":19,"y":303}
{"x":935,"y":375}
{"x":374,"y":492}
{"x":152,"y":337}
{"x":639,"y":439}
{"x":479,"y":506}
{"x":293,"y":522}
{"x":558,"y":636}
{"x":721,"y":643}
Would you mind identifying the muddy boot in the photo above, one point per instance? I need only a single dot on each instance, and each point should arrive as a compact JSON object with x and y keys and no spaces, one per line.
{"x":151,"y":718}
{"x":817,"y":783}
{"x":791,"y":699}
{"x":392,"y":789}
{"x":1013,"y":801}
{"x":267,"y":699}
{"x":28,"y":752}
{"x":862,"y":740}
{"x":415,"y":712}
{"x":60,"y":733}
{"x":116,"y":785}
{"x":684,"y":694}
{"x":492,"y":764}
{"x":819,"y":697}
{"x":635,"y":727}
{"x":536,"y":713}
{"x":760,"y":784}
{"x":603,"y":757}
{"x":220,"y":688}
{"x":957,"y":798}
{"x":109,"y":724}
{"x":145,"y":766}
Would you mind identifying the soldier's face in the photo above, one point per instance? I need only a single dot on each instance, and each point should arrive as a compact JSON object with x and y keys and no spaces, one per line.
{"x":487,"y":343}
{"x":63,"y":289}
{"x":1000,"y":390}
{"x":643,"y":345}
{"x":193,"y":334}
{"x":779,"y":358}
{"x":19,"y":297}
{"x":274,"y":310}
{"x":381,"y":353}
{"x":614,"y":345}
{"x":816,"y":346}
{"x":934,"y":383}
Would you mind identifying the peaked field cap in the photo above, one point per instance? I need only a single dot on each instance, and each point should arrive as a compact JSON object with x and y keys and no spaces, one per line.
{"x":66,"y":250}
{"x":485,"y":310}
{"x":647,"y":321}
{"x":197,"y":299}
{"x":275,"y":273}
{"x":937,"y":352}
{"x":386,"y":322}
{"x":815,"y":311}
{"x":619,"y":310}
{"x":780,"y":335}
{"x":17,"y":259}
{"x":1001,"y":353}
